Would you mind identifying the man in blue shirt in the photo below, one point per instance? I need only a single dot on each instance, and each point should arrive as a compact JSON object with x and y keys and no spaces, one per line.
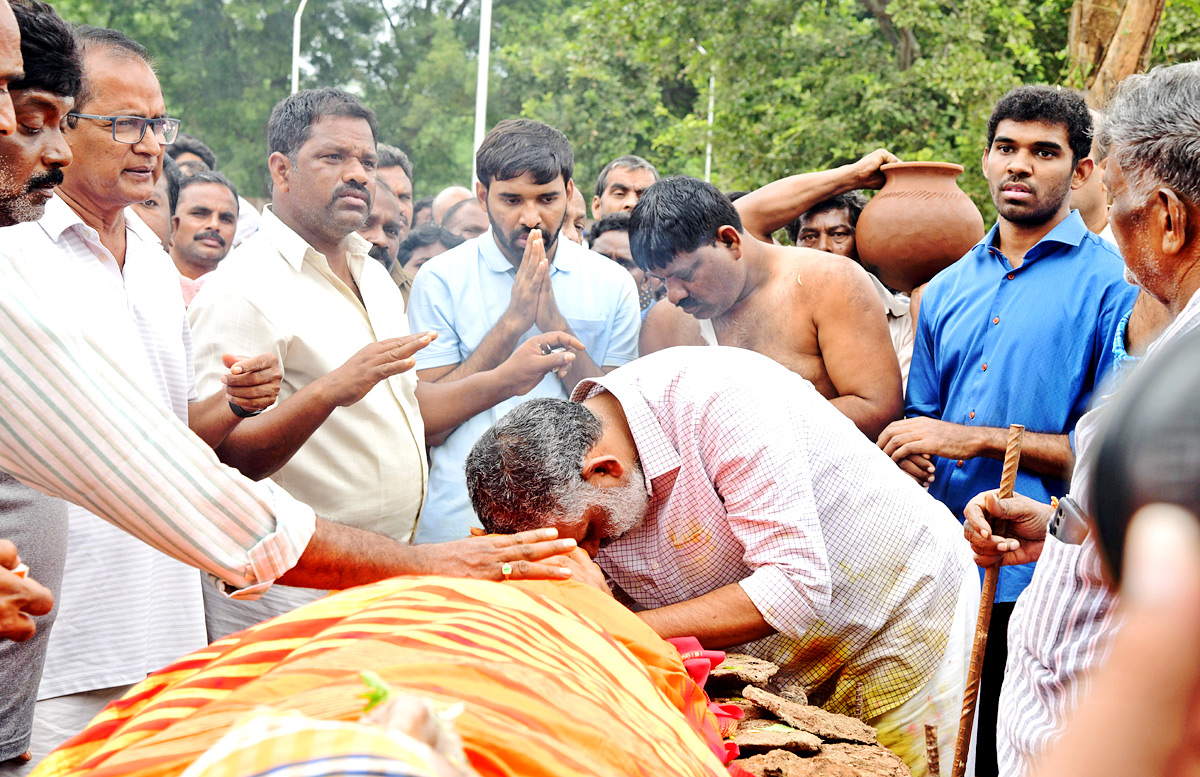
{"x":499,"y":298}
{"x":1019,"y":331}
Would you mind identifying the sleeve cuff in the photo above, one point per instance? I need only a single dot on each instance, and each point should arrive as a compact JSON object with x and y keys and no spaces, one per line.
{"x":777,"y":600}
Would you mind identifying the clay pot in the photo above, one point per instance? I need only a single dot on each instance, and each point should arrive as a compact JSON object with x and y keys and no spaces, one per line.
{"x":919,"y":224}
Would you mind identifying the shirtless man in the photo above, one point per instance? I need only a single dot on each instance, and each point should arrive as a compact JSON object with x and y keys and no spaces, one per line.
{"x":816,"y":314}
{"x":808,"y":200}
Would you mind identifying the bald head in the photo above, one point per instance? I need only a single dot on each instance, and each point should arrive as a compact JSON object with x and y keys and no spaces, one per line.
{"x":447,"y":198}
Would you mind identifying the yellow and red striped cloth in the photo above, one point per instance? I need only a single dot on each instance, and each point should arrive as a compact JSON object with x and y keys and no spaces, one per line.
{"x":556,"y":679}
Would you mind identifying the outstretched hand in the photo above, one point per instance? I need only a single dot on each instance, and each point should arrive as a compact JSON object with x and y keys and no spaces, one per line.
{"x":531,"y":555}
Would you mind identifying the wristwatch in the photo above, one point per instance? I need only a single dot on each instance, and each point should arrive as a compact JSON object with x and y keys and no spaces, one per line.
{"x":1069,"y":524}
{"x":242,"y":412}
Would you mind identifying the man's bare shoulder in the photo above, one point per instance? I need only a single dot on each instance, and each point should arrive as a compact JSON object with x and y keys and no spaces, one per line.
{"x":818,"y":275}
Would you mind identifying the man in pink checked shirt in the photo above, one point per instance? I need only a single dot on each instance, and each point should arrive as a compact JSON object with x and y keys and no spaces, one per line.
{"x":726,"y":499}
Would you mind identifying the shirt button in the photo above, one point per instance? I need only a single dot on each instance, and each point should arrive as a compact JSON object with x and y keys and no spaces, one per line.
{"x":985,"y":367}
{"x":960,"y":463}
{"x":996,"y":320}
{"x":971,"y":414}
{"x":1011,"y":276}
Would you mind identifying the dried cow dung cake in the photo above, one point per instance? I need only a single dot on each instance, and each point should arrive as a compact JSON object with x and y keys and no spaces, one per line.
{"x":827,"y":725}
{"x":738,"y":669}
{"x":763,"y":736}
{"x":837,"y":760}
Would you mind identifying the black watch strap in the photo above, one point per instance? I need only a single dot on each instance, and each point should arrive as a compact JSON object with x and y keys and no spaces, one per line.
{"x":242,"y":412}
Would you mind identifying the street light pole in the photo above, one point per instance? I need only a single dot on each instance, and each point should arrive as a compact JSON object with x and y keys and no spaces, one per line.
{"x":481,"y":79}
{"x":712,"y":91}
{"x":296,"y":47}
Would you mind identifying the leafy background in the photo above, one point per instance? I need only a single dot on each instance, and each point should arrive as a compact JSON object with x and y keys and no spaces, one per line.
{"x":800,"y":86}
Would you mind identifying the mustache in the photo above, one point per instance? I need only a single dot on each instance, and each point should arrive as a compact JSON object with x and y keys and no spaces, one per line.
{"x":210,"y":233}
{"x":687,"y":303}
{"x":1023,"y":180}
{"x":45,"y":180}
{"x":352,"y":186}
{"x":380,"y":254}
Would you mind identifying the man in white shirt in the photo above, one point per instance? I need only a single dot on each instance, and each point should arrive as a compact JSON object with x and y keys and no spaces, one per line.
{"x":112,"y":275}
{"x":346,"y":436}
{"x":731,"y":502}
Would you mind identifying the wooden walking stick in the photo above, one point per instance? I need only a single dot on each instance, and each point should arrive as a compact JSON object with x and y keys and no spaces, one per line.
{"x":1008,"y":481}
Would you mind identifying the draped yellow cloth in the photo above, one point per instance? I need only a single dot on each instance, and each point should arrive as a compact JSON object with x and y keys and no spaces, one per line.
{"x":556,"y":679}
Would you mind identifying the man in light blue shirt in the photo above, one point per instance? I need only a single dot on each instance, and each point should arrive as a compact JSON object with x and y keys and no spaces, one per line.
{"x":517,"y":288}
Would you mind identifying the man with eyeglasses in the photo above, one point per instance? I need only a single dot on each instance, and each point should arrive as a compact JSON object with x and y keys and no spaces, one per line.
{"x":125,"y":609}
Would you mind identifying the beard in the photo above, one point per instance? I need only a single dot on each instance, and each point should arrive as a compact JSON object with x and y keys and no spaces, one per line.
{"x":624,"y":506}
{"x":24,"y":205}
{"x":1045,"y":202}
{"x":509,"y":241}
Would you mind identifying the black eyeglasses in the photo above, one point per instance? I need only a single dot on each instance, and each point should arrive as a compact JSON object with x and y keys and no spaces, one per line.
{"x":131,"y":129}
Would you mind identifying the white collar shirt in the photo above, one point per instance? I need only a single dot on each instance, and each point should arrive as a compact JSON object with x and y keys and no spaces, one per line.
{"x":365,"y":465}
{"x":754,"y":478}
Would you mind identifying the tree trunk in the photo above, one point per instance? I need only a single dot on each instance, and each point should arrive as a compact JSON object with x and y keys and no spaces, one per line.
{"x":1110,"y":39}
{"x":902,"y":39}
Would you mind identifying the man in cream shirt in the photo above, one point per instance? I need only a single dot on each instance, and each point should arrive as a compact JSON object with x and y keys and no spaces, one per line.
{"x":346,"y":434}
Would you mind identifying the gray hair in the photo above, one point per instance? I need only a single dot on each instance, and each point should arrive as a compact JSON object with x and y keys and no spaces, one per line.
{"x":629,"y":162}
{"x":526,"y":472}
{"x":1153,"y":126}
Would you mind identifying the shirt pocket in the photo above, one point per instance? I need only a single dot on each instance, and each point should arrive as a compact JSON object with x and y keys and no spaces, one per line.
{"x":589,"y":331}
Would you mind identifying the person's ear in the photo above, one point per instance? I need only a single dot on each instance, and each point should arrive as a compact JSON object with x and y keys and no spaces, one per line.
{"x":1172,"y":215}
{"x":280,"y":168}
{"x":570,"y":189}
{"x":481,"y":194}
{"x":983,"y":162}
{"x":732,"y":239}
{"x":174,"y":229}
{"x":602,"y":470}
{"x":1083,"y":171}
{"x":595,"y":206}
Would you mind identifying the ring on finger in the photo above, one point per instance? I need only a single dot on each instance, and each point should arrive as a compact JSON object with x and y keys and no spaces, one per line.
{"x":506,"y":570}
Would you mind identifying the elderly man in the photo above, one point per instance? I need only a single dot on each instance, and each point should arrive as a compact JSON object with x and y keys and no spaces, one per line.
{"x":203,"y":225}
{"x":111,"y":271}
{"x":1062,"y":623}
{"x":509,"y":292}
{"x":730,"y":501}
{"x":816,"y":314}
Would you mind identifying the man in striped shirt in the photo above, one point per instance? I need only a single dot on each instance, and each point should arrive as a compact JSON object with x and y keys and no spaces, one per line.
{"x":1062,"y":624}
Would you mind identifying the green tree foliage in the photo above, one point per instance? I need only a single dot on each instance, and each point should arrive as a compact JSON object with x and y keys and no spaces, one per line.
{"x":799,"y":86}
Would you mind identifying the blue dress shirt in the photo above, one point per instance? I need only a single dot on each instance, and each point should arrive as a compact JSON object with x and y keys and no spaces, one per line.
{"x":997,"y":345}
{"x":461,"y":294}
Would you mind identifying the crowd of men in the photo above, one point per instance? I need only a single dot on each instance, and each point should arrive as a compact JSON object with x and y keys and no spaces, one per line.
{"x":756,"y":444}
